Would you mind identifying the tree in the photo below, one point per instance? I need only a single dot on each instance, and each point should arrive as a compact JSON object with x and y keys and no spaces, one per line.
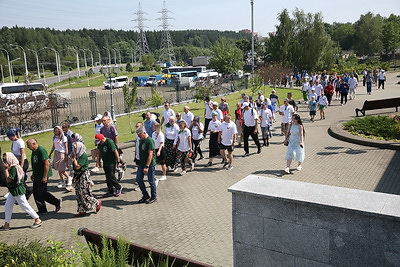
{"x":129,"y":67}
{"x":368,"y":35}
{"x":272,"y":73}
{"x":155,"y":100}
{"x":130,"y":97}
{"x":391,"y":34}
{"x":148,"y":62}
{"x":227,"y":58}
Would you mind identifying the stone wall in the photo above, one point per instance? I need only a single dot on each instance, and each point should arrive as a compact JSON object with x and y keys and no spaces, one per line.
{"x":288,"y":223}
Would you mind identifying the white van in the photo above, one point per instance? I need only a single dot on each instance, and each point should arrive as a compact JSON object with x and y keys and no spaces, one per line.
{"x":116,"y":82}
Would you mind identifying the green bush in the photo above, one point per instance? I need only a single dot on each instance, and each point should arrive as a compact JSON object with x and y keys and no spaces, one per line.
{"x":381,"y":127}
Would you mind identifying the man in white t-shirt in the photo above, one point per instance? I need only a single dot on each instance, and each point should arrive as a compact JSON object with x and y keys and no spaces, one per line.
{"x":226,"y":139}
{"x":167,"y":112}
{"x":382,"y":79}
{"x":220,"y":116}
{"x":286,"y":111}
{"x":187,"y":115}
{"x":265,"y":115}
{"x":318,"y":89}
{"x":207,"y":114}
{"x":352,"y":86}
{"x":250,"y":128}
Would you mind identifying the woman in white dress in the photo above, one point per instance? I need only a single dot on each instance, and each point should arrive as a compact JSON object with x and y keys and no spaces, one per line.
{"x":295,"y":142}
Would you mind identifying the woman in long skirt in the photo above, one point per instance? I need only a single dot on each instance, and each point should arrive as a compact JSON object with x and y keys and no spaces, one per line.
{"x":295,"y":142}
{"x":213,"y":143}
{"x":86,"y":200}
{"x":171,"y":138}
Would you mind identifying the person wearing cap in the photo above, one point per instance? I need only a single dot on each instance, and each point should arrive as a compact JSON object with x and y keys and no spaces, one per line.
{"x":382,"y":79}
{"x":265,"y":115}
{"x":353,"y":83}
{"x":318,"y":88}
{"x":41,"y":171}
{"x":187,"y":115}
{"x":286,"y":111}
{"x":220,"y":116}
{"x":312,"y":106}
{"x":274,"y":103}
{"x":110,"y":156}
{"x":207,"y":114}
{"x":18,"y":149}
{"x":95,"y":152}
{"x":250,"y":128}
{"x":167,"y":113}
{"x":184,"y":147}
{"x":304,"y":89}
{"x":147,"y":163}
{"x":214,"y":128}
{"x":224,"y":106}
{"x":252,"y":104}
{"x":312,"y":94}
{"x":15,"y":183}
{"x":226,"y":139}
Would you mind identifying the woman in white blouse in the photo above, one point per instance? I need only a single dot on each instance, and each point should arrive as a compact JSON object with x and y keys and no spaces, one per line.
{"x":171,"y":137}
{"x":159,"y":140}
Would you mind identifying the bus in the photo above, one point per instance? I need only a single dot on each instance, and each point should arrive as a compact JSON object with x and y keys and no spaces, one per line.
{"x":183,"y":69}
{"x":116,"y":82}
{"x":12,"y":90}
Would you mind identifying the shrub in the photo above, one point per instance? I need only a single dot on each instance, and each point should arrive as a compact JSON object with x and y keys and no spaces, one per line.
{"x":384,"y":127}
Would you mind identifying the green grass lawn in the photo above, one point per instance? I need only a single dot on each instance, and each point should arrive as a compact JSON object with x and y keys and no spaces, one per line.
{"x":123,"y":123}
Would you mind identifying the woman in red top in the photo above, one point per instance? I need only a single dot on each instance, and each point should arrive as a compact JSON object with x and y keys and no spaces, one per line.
{"x":329,"y":90}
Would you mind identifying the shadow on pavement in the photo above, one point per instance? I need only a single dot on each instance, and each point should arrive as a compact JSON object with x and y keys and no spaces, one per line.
{"x":346,"y":150}
{"x":277,"y":173}
{"x":390,"y":180}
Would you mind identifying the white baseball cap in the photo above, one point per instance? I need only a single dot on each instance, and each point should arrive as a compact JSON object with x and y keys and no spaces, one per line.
{"x":245,"y":104}
{"x":98,"y":117}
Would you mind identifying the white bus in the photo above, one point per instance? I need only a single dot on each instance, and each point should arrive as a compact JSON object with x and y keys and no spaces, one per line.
{"x":116,"y":82}
{"x":12,"y":90}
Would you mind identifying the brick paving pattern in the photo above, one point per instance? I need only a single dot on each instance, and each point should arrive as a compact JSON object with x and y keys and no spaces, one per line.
{"x":192,"y":217}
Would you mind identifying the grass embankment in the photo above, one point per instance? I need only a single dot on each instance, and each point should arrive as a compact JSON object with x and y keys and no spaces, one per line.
{"x":380,"y":127}
{"x":123,"y":124}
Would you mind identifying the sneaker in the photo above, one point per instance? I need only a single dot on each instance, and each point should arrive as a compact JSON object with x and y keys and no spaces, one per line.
{"x":230,"y":167}
{"x":69,"y":188}
{"x":201,"y":158}
{"x":225,"y":164}
{"x":143,"y":200}
{"x":6,"y":195}
{"x":246,"y":155}
{"x":192,"y":167}
{"x":156,"y":181}
{"x":163,"y":178}
{"x":98,"y":206}
{"x":59,"y":206}
{"x":209,"y":164}
{"x":61,"y":185}
{"x":119,"y":192}
{"x":4,"y":228}
{"x":95,"y":169}
{"x":183,"y":172}
{"x":299,"y":168}
{"x":175,"y":169}
{"x":69,"y":180}
{"x":151,"y":200}
{"x":287,"y":170}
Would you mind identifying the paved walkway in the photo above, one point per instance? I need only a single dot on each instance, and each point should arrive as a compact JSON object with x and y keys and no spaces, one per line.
{"x":193,"y":215}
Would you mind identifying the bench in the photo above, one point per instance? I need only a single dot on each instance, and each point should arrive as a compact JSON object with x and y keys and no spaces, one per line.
{"x":379,"y":104}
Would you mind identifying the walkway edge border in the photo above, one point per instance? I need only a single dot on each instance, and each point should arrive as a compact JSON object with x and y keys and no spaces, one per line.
{"x":336,"y":130}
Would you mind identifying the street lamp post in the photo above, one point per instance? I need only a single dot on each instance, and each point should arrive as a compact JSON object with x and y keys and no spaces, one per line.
{"x":119,"y":54}
{"x":252,"y":37}
{"x":109,"y":55}
{"x":37,"y":61}
{"x":98,"y":51}
{"x":57,"y":61}
{"x":91,"y":57}
{"x":12,"y":71}
{"x":86,"y":69}
{"x":115,"y":57}
{"x":9,"y":65}
{"x":26,"y":64}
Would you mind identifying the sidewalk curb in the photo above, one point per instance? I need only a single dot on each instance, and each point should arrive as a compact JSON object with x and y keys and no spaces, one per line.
{"x":336,"y":131}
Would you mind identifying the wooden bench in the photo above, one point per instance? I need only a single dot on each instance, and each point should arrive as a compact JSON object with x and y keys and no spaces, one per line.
{"x":379,"y":104}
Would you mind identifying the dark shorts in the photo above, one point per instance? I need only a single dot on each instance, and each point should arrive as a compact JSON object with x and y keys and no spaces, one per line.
{"x":223,"y":147}
{"x":160,"y":159}
{"x":313,"y":112}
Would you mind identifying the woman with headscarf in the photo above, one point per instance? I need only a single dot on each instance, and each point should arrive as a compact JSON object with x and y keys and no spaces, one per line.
{"x":60,"y":160}
{"x":171,"y":138}
{"x":86,"y":200}
{"x":197,"y":129}
{"x":15,"y":183}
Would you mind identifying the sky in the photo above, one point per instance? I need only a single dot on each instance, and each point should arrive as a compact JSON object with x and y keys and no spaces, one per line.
{"x":187,"y":14}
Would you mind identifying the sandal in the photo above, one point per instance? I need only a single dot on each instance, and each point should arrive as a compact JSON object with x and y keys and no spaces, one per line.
{"x":4,"y":228}
{"x":98,"y":207}
{"x":36,"y":225}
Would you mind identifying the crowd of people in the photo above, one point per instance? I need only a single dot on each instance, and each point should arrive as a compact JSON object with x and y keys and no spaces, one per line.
{"x":172,"y":140}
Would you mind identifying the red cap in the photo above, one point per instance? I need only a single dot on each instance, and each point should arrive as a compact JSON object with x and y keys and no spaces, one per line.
{"x":98,"y":138}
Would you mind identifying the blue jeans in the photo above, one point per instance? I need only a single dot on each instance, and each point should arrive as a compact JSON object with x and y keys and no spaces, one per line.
{"x":150,"y":177}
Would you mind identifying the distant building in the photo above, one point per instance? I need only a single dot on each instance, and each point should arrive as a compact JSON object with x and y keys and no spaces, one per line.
{"x":249,"y":32}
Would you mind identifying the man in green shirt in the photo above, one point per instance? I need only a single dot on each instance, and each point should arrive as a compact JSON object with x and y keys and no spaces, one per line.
{"x":109,"y":153}
{"x":147,"y":163}
{"x":41,"y":171}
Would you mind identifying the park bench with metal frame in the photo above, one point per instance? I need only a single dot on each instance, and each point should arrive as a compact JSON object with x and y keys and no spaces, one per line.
{"x":379,"y":104}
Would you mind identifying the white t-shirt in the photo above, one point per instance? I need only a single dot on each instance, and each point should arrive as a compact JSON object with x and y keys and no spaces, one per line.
{"x":265,"y":115}
{"x":228,"y":130}
{"x":318,"y":89}
{"x":168,"y":113}
{"x":196,"y":135}
{"x":208,"y":110}
{"x":60,"y":146}
{"x":220,"y":116}
{"x":323,"y":100}
{"x":305,"y":86}
{"x":183,"y":137}
{"x":268,"y":101}
{"x":249,"y":117}
{"x":382,"y":75}
{"x":158,"y":139}
{"x":214,"y":126}
{"x":171,"y":132}
{"x":352,"y":83}
{"x":188,"y":117}
{"x":287,"y":113}
{"x":137,"y":154}
{"x":16,"y":147}
{"x":98,"y":127}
